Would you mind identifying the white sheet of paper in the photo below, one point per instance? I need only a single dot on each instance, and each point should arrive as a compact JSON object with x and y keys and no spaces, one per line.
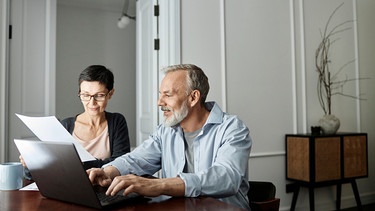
{"x":50,"y":129}
{"x":30,"y":187}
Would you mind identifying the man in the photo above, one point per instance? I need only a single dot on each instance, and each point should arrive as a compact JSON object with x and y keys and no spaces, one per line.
{"x":199,"y":150}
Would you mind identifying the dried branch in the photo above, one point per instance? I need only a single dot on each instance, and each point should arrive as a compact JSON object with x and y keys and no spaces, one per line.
{"x":328,"y":85}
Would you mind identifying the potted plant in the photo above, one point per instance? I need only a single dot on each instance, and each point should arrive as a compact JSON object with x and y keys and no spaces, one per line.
{"x":328,"y":82}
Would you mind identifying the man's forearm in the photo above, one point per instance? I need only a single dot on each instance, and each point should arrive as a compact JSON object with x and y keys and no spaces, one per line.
{"x":172,"y":186}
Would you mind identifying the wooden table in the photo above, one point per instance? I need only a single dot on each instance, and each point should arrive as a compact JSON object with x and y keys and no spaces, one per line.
{"x":33,"y":200}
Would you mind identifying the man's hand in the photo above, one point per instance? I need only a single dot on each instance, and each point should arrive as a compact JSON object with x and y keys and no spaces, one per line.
{"x":147,"y":187}
{"x":102,"y":177}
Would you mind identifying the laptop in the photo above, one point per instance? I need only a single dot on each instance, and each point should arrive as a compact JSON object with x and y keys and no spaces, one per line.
{"x":59,"y":174}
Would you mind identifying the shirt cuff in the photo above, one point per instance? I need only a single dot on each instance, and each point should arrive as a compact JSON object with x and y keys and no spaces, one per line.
{"x":118,"y":165}
{"x":192,"y":184}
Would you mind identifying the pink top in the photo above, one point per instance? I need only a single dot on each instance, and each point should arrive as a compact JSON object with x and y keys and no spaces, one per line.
{"x":97,"y":147}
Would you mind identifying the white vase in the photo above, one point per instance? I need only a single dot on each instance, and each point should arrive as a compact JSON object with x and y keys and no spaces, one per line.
{"x":329,"y":124}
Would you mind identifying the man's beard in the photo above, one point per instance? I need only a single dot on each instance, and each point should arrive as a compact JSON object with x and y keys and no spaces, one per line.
{"x":176,"y":117}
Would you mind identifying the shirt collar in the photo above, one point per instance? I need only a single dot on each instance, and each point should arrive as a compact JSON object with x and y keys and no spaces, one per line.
{"x":216,"y":114}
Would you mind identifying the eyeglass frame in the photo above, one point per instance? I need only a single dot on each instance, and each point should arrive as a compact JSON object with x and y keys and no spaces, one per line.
{"x":94,"y":96}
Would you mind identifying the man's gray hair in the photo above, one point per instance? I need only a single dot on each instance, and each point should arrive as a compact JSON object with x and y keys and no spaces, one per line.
{"x":195,"y":80}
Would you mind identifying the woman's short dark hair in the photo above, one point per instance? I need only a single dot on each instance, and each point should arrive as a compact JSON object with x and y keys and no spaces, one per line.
{"x":97,"y":73}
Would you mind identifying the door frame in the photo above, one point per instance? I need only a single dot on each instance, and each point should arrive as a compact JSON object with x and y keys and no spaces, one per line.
{"x":4,"y":50}
{"x":165,"y":28}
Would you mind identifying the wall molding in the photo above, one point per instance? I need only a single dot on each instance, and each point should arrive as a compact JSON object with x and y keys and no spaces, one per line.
{"x":303,"y":66}
{"x":223,"y":56}
{"x":267,"y":154}
{"x":298,"y":73}
{"x":50,"y":59}
{"x":356,"y":55}
{"x":293,"y":63}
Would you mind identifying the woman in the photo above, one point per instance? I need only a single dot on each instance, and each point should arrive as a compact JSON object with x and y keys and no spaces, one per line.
{"x":103,"y":134}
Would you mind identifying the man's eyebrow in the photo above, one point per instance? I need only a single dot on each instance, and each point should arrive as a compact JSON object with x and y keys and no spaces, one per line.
{"x":164,"y":92}
{"x":167,"y":91}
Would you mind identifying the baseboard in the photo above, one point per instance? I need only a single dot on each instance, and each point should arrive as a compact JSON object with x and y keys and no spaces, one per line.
{"x":366,"y":198}
{"x":346,"y":202}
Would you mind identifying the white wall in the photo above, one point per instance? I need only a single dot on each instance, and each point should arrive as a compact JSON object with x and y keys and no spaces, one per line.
{"x":89,"y":35}
{"x":259,"y":57}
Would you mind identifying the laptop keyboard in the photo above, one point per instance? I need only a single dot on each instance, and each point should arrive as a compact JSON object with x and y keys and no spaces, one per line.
{"x":109,"y":199}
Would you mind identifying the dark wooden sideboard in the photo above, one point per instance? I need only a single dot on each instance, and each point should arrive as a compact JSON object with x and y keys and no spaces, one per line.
{"x":321,"y":160}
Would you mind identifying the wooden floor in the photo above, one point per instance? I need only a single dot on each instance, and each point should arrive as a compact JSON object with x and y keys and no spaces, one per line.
{"x":367,"y":207}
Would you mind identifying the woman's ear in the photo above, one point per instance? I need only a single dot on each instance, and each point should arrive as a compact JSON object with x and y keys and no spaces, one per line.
{"x":111,"y":93}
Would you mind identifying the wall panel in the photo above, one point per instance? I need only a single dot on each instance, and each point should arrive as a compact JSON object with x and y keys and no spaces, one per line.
{"x":270,"y":78}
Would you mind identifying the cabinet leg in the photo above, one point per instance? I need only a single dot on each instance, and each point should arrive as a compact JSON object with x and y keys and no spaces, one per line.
{"x":295,"y":196}
{"x":338,"y":196}
{"x":311,"y":198}
{"x":356,"y":195}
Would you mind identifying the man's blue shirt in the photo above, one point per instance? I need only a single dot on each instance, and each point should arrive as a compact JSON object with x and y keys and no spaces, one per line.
{"x":221,"y":153}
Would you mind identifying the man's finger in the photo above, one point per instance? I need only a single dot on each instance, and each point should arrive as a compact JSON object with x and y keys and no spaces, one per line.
{"x":92,"y":175}
{"x":105,"y":182}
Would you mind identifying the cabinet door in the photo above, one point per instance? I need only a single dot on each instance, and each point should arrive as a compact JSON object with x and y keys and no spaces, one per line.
{"x":355,"y":156}
{"x":327,"y":159}
{"x":298,"y":158}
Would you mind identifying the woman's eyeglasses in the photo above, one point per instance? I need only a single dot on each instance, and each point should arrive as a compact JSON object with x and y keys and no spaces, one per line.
{"x":97,"y":97}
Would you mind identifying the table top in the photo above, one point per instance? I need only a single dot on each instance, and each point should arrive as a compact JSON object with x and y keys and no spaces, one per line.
{"x":33,"y":200}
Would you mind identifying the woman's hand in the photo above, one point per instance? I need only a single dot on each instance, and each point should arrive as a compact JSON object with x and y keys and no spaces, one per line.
{"x":22,"y":161}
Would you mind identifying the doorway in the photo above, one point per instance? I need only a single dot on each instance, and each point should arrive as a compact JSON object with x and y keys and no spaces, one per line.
{"x":87,"y":34}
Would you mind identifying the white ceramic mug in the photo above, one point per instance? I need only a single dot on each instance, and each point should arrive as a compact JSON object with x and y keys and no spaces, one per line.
{"x":11,"y":176}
